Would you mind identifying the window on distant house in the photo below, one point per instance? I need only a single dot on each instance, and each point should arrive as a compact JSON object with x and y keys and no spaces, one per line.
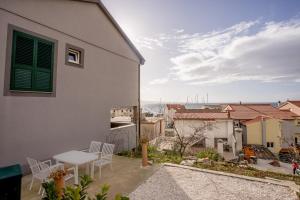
{"x":31,"y":64}
{"x":74,"y":56}
{"x":270,"y":144}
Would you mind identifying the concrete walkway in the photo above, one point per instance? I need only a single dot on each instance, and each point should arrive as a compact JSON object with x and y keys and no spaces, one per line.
{"x":264,"y":165}
{"x":124,"y":178}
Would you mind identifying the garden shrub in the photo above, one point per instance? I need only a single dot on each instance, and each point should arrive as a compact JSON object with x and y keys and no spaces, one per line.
{"x":209,"y":153}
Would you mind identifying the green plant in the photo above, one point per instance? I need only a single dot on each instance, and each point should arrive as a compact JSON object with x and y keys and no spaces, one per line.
{"x":208,"y":153}
{"x":102,"y":195}
{"x":165,"y":156}
{"x":50,"y":191}
{"x":120,"y":197}
{"x":78,"y":192}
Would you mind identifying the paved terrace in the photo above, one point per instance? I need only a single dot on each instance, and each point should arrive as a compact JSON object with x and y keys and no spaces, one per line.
{"x":124,"y":178}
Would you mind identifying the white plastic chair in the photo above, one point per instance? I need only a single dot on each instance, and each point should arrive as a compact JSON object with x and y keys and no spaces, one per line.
{"x":105,"y":156}
{"x":37,"y":172}
{"x":42,"y":170}
{"x":53,"y":168}
{"x":95,"y":147}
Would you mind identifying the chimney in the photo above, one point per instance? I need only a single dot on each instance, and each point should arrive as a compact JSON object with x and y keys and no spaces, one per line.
{"x":228,"y":114}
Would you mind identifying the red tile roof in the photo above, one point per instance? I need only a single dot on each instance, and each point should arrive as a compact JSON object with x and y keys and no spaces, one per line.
{"x":251,"y":111}
{"x":175,"y":107}
{"x":205,"y":110}
{"x":207,"y":116}
{"x":296,"y":103}
{"x":257,"y":119}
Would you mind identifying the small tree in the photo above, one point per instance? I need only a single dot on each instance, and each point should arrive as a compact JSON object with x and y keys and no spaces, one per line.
{"x":183,"y":141}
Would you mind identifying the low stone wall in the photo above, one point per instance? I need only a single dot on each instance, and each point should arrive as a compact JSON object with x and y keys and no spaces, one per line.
{"x":123,"y":137}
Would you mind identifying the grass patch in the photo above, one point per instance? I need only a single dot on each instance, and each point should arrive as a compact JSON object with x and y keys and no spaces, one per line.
{"x":248,"y":171}
{"x":163,"y":157}
{"x":155,"y":155}
{"x":212,"y":154}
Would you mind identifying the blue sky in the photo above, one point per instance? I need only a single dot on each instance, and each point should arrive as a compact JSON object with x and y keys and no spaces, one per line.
{"x":232,"y":50}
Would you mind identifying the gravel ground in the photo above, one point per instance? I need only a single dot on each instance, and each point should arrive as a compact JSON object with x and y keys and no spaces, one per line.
{"x":176,"y":183}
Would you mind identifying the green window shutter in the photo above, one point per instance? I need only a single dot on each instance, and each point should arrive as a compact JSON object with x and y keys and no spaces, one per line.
{"x":32,"y":63}
{"x":24,"y":50}
{"x":44,"y":70}
{"x":22,"y":62}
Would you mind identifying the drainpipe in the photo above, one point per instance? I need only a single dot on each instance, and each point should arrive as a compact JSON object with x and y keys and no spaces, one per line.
{"x":263,"y":131}
{"x":139,"y":107}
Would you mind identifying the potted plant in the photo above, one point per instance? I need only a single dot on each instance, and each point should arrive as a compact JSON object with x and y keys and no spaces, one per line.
{"x":59,"y":181}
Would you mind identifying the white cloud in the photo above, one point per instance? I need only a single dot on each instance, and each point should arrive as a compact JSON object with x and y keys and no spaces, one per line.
{"x":159,"y":81}
{"x":246,"y":51}
{"x":148,"y":43}
{"x":179,"y":30}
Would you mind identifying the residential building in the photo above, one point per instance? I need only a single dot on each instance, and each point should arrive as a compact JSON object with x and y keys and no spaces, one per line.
{"x":218,"y":126}
{"x":264,"y":124}
{"x":272,"y":132}
{"x":169,"y":113}
{"x":152,"y":127}
{"x":241,"y":113}
{"x":293,"y":106}
{"x":117,"y":112}
{"x":171,"y":109}
{"x":63,"y":66}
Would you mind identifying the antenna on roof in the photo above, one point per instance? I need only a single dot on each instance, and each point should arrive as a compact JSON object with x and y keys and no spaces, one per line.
{"x":207,"y":98}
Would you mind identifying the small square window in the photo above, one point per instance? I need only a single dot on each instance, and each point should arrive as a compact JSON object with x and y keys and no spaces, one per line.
{"x":270,"y":144}
{"x":73,"y":56}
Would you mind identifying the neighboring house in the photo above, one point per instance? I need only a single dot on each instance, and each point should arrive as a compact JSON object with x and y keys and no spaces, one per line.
{"x":152,"y":127}
{"x":264,"y":124}
{"x":241,"y":113}
{"x":122,"y":112}
{"x":293,"y":106}
{"x":221,"y":128}
{"x":273,"y":133}
{"x":63,"y":66}
{"x":169,"y":113}
{"x":171,"y":109}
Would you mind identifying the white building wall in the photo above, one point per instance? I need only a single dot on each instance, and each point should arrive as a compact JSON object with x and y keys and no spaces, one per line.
{"x":219,"y":129}
{"x":169,"y":115}
{"x":289,"y":130}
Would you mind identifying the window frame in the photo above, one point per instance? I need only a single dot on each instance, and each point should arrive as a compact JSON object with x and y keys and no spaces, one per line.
{"x":270,"y":144}
{"x":70,"y":47}
{"x":34,"y":68}
{"x":297,"y":122}
{"x":12,"y":91}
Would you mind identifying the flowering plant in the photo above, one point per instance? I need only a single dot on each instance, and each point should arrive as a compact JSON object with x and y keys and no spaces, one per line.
{"x":58,"y":174}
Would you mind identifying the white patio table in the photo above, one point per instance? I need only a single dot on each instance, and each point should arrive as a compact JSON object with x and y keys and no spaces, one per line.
{"x":77,"y":158}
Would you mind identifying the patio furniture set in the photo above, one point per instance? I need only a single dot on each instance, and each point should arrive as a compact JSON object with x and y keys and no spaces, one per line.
{"x":98,"y":154}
